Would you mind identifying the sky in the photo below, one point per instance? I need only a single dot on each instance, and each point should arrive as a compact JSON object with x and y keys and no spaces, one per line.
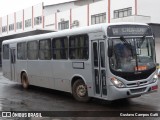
{"x":11,"y":6}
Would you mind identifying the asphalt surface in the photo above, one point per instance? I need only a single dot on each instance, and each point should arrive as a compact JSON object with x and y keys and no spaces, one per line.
{"x":14,"y":98}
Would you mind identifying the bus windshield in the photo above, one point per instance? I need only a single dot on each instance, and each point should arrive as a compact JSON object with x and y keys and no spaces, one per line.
{"x":132,"y":54}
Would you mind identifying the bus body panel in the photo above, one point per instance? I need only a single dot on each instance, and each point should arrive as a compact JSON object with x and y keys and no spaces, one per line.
{"x":40,"y":73}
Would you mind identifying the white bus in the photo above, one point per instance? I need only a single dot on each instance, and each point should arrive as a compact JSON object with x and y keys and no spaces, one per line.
{"x":106,"y":61}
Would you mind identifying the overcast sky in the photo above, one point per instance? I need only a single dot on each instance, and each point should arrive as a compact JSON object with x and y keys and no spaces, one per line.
{"x":10,"y":6}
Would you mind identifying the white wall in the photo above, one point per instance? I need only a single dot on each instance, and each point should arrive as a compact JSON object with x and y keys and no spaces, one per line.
{"x":149,"y":8}
{"x":51,"y":9}
{"x":50,"y":22}
{"x":80,"y":14}
{"x":85,"y":2}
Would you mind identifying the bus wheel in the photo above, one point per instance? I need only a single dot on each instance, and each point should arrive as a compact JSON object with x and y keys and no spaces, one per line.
{"x":79,"y":91}
{"x":24,"y":80}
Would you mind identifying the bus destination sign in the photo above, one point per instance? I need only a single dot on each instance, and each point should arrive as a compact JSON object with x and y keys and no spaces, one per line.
{"x":128,"y":30}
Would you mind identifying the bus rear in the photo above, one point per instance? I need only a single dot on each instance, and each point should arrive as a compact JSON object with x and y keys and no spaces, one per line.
{"x":132,"y":61}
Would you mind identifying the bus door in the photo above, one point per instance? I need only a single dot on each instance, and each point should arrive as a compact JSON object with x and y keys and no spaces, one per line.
{"x":13,"y":61}
{"x":99,"y":70}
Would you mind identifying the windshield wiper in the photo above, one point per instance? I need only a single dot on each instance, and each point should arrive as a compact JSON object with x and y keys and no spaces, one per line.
{"x":143,"y":38}
{"x":123,"y":39}
{"x":127,"y":44}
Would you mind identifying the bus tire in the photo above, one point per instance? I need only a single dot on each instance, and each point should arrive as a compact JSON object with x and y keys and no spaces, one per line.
{"x":24,"y":80}
{"x":79,"y":91}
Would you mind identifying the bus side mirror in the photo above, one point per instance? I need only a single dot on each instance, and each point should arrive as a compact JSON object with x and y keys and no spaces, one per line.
{"x":110,"y":48}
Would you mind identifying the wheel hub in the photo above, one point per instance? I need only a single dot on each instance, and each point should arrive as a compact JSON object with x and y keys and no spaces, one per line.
{"x":81,"y":90}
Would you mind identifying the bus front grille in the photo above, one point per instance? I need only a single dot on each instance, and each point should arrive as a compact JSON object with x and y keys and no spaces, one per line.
{"x":135,"y":84}
{"x":139,"y":90}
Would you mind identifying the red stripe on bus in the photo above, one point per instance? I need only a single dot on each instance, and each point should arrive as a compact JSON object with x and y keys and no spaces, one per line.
{"x":70,"y":18}
{"x":7,"y":24}
{"x":23,"y":19}
{"x":32,"y":16}
{"x":109,"y":9}
{"x":15,"y":22}
{"x":135,"y":7}
{"x":42,"y":16}
{"x":88,"y":13}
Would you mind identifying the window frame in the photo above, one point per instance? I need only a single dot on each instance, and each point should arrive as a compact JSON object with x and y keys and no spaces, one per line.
{"x":25,"y":54}
{"x":4,"y":29}
{"x":28,"y":23}
{"x":63,"y":25}
{"x":28,"y":50}
{"x":38,"y":20}
{"x":98,"y":18}
{"x":11,"y":27}
{"x":40,"y":58}
{"x":66,"y":48}
{"x":19,"y":25}
{"x":79,"y":48}
{"x":122,"y":13}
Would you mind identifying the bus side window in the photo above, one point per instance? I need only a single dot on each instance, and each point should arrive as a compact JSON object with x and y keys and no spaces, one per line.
{"x":79,"y":47}
{"x":45,"y":49}
{"x":32,"y":50}
{"x":60,"y":48}
{"x":22,"y":51}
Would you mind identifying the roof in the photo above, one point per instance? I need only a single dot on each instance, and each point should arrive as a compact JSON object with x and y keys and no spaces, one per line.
{"x":25,"y":34}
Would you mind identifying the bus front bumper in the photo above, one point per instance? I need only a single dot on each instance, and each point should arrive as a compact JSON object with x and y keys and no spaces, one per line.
{"x":120,"y":93}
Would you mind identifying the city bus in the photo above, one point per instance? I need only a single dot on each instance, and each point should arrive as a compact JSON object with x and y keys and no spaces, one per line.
{"x":105,"y":61}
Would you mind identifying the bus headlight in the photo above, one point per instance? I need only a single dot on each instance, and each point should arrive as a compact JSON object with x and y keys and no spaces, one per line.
{"x":117,"y":83}
{"x":154,"y":79}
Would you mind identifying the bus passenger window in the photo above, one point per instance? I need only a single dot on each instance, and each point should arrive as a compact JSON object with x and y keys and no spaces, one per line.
{"x":22,"y":51}
{"x":32,"y":50}
{"x":78,"y":47}
{"x":60,"y":48}
{"x":45,"y":49}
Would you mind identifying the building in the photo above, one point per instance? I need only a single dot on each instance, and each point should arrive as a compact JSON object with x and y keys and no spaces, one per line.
{"x":78,"y":13}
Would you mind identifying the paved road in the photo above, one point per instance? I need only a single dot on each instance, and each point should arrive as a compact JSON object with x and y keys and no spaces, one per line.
{"x":14,"y":98}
